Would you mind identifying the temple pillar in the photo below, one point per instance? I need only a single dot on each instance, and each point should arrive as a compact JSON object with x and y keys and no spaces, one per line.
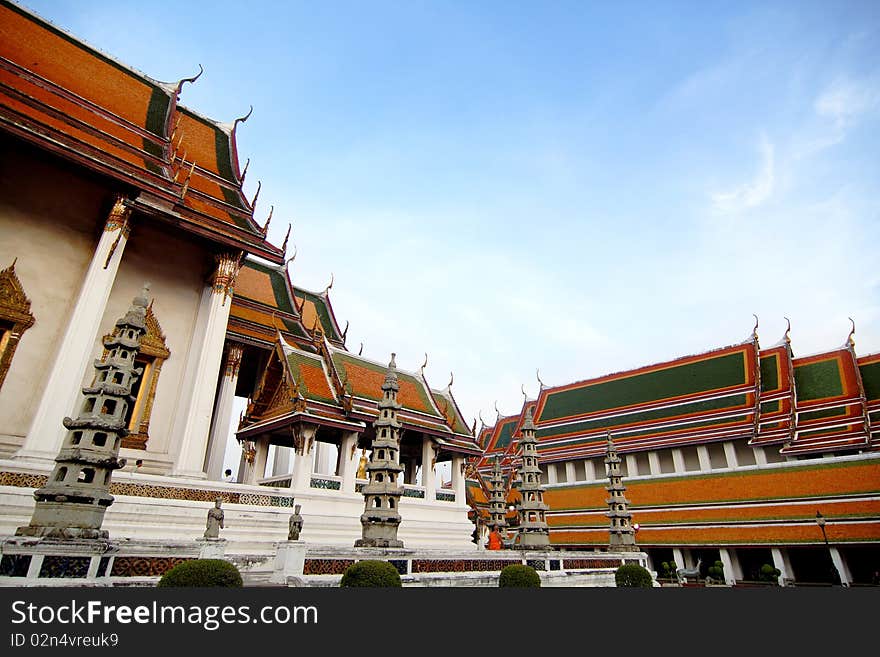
{"x":654,"y":463}
{"x":258,"y":470}
{"x":348,"y":460}
{"x":678,"y":461}
{"x":678,"y":557}
{"x":589,"y":469}
{"x":62,"y":389}
{"x":730,"y":454}
{"x":760,"y":457}
{"x":728,"y":559}
{"x":551,"y":473}
{"x":193,"y":420}
{"x":780,"y":561}
{"x":281,"y":462}
{"x":842,"y":568}
{"x":304,"y":440}
{"x":223,"y":413}
{"x":429,"y":481}
{"x":410,"y":471}
{"x":703,"y":457}
{"x":458,"y":482}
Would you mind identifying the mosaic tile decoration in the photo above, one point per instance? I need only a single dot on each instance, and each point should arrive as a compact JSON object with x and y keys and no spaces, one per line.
{"x":143,"y":566}
{"x":458,"y":565}
{"x":582,"y":564}
{"x":25,"y":480}
{"x":326,"y":566}
{"x":57,"y":566}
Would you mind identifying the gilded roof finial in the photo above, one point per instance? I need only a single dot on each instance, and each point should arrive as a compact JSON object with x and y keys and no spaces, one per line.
{"x":345,"y":332}
{"x":849,"y":339}
{"x":361,"y":350}
{"x":474,"y":428}
{"x":327,"y":289}
{"x":284,"y":244}
{"x":787,"y":336}
{"x":244,"y":118}
{"x":246,"y":165}
{"x":257,"y":195}
{"x":496,"y":409}
{"x":522,"y":389}
{"x":268,"y":220}
{"x":480,"y":415}
{"x":192,"y":79}
{"x":451,"y":378}
{"x":540,"y":383}
{"x":425,"y":364}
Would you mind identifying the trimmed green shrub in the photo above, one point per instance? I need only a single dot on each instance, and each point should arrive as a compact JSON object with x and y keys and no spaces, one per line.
{"x":716,"y":572}
{"x":769,"y":573}
{"x":667,"y":570}
{"x":519,"y":575}
{"x":633,"y":575}
{"x":371,"y":572}
{"x":201,"y":573}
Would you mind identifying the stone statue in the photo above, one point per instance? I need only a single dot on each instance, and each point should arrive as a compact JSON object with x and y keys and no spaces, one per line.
{"x":296,"y":523}
{"x":215,"y":520}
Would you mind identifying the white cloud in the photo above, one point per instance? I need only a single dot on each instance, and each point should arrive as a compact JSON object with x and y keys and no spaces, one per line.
{"x":753,"y":193}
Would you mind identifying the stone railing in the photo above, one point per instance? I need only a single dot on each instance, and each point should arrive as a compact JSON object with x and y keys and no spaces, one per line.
{"x":278,"y":481}
{"x":413,"y":491}
{"x":326,"y":482}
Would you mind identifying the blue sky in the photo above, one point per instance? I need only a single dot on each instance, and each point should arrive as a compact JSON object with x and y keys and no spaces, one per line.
{"x":574,"y":187}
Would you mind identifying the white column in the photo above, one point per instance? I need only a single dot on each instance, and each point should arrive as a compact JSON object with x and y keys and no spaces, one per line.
{"x":780,"y":561}
{"x":654,"y":463}
{"x":678,"y":556}
{"x":428,"y":461}
{"x":703,"y":457}
{"x":551,"y":473}
{"x":678,"y":460}
{"x":64,"y":383}
{"x":730,"y":453}
{"x":223,"y":413}
{"x":281,"y":463}
{"x":727,"y":560}
{"x":349,"y":456}
{"x":193,"y":420}
{"x":760,"y":458}
{"x":842,"y":568}
{"x":304,"y":440}
{"x":589,"y":469}
{"x":569,"y":472}
{"x":458,"y":482}
{"x":256,"y":469}
{"x":632,"y":466}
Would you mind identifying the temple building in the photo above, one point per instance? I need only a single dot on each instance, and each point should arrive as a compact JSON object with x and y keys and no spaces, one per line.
{"x":107,"y":180}
{"x":726,"y":456}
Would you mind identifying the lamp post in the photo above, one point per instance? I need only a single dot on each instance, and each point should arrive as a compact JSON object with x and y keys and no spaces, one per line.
{"x":820,"y":520}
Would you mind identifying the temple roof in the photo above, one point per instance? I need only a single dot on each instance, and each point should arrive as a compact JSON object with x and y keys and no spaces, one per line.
{"x":265,"y":301}
{"x":821,"y":403}
{"x":69,"y":98}
{"x":334,"y":386}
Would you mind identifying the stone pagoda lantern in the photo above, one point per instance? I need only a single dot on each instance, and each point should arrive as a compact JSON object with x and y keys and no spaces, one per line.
{"x":382,"y":493}
{"x":622,"y":536}
{"x":497,"y":501}
{"x":72,"y":503}
{"x":534,"y":534}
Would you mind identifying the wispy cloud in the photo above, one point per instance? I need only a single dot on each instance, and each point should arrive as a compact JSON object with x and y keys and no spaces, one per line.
{"x":753,"y":193}
{"x":838,"y":109}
